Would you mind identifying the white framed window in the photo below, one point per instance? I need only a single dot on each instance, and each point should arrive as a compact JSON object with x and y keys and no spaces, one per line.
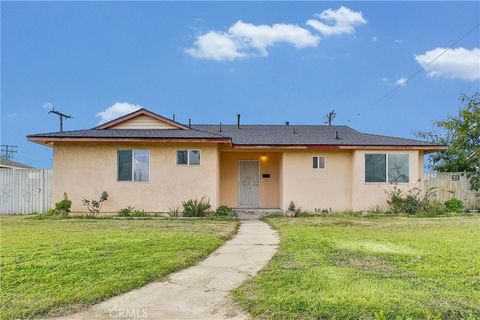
{"x":387,"y":167}
{"x":133,"y":165}
{"x":319,"y":162}
{"x":188,"y":157}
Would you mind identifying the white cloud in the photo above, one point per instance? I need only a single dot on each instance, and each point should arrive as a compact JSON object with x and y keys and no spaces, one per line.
{"x":399,"y":41}
{"x":374,"y":39}
{"x":385,"y":79}
{"x":215,"y":46}
{"x":401,"y":82}
{"x":246,"y":39}
{"x":262,"y":36}
{"x":116,"y":110}
{"x":341,"y":21}
{"x":459,"y":63}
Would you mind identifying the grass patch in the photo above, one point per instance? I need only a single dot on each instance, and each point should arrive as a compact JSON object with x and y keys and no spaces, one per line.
{"x":364,"y":268}
{"x":51,"y":267}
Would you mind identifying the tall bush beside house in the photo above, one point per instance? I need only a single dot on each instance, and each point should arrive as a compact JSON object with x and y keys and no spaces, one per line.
{"x":412,"y":202}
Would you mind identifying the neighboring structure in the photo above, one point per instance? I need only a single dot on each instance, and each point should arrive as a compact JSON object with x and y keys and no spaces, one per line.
{"x":153,"y":163}
{"x":10,"y":164}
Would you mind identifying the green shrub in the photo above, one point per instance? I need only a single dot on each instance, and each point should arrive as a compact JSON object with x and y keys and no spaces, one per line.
{"x":174,"y":212}
{"x":63,"y":206}
{"x":196,"y":208}
{"x":94,"y":206}
{"x":378,"y":209}
{"x":291,"y":206}
{"x":454,"y":205}
{"x":126,"y":212}
{"x":408,"y":202}
{"x":225,"y":211}
{"x":139,"y":213}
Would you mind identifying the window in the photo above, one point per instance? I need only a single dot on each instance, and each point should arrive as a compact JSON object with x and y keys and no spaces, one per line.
{"x":188,"y":157}
{"x":318,"y":162}
{"x":455,"y":177}
{"x":380,"y":167}
{"x":133,"y":165}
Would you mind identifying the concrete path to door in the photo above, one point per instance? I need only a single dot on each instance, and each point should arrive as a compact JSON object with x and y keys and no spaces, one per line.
{"x":198,"y":292}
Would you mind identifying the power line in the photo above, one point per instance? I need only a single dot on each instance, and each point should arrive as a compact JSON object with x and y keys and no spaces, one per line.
{"x":422,"y":68}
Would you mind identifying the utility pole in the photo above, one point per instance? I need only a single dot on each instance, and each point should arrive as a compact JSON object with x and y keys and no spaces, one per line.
{"x":7,"y":151}
{"x":61,"y":116}
{"x":330,"y":116}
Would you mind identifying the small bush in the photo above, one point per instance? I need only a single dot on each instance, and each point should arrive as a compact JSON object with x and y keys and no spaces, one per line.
{"x":196,"y":208}
{"x":454,"y":205}
{"x":378,"y":209}
{"x":94,"y":206}
{"x":126,"y":212}
{"x":225,"y":211}
{"x":174,"y":212}
{"x":63,"y":206}
{"x":408,"y":202}
{"x":291,"y":206}
{"x":139,"y":213}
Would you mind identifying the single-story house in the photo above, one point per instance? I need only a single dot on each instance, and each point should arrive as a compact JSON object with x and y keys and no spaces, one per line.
{"x":153,"y":163}
{"x":10,"y":164}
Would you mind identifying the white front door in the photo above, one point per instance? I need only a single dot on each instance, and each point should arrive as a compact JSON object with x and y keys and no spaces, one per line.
{"x":248,"y":183}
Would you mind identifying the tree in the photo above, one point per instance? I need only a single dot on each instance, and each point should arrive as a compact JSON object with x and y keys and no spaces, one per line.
{"x":461,"y":135}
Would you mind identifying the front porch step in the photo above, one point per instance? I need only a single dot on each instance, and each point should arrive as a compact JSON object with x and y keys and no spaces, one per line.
{"x":248,"y":214}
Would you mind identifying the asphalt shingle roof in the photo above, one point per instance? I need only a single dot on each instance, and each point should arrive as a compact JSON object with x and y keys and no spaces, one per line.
{"x":252,"y":135}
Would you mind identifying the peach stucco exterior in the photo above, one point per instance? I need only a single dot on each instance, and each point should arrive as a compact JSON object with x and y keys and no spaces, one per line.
{"x":85,"y":169}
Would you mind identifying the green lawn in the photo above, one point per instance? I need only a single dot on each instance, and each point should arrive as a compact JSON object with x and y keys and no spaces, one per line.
{"x":366,"y":268}
{"x":50,"y":267}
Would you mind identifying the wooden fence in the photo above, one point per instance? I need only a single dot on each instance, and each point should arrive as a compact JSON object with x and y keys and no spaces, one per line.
{"x":452,"y":185}
{"x":25,"y":191}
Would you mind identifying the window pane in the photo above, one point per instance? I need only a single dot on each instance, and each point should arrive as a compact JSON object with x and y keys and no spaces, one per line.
{"x":375,"y":168}
{"x":398,"y":168}
{"x":124,"y":159}
{"x":315,"y":162}
{"x":321,"y":162}
{"x":194,"y":157}
{"x":182,"y":157}
{"x":140,"y":168}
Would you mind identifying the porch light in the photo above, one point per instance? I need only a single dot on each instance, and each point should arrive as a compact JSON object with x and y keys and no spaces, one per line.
{"x":263,"y":158}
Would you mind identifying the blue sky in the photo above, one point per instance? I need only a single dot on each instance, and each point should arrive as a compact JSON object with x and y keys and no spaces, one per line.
{"x":210,"y":61}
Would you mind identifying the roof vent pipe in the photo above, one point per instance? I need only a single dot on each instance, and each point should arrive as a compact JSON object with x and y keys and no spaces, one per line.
{"x":173,"y":118}
{"x":336,"y":135}
{"x":220,"y":127}
{"x":287,"y":123}
{"x":238,"y":121}
{"x":189,"y":122}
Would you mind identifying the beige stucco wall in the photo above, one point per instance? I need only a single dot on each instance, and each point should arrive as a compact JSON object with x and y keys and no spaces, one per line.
{"x":269,"y":187}
{"x":365,"y":195}
{"x":84,"y":170}
{"x":312,"y":188}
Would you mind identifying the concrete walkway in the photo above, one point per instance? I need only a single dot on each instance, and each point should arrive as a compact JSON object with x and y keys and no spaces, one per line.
{"x":198,"y":292}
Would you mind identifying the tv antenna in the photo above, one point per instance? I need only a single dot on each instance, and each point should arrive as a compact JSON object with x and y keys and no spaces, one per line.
{"x":330,"y":116}
{"x":61,"y":116}
{"x":7,"y":151}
